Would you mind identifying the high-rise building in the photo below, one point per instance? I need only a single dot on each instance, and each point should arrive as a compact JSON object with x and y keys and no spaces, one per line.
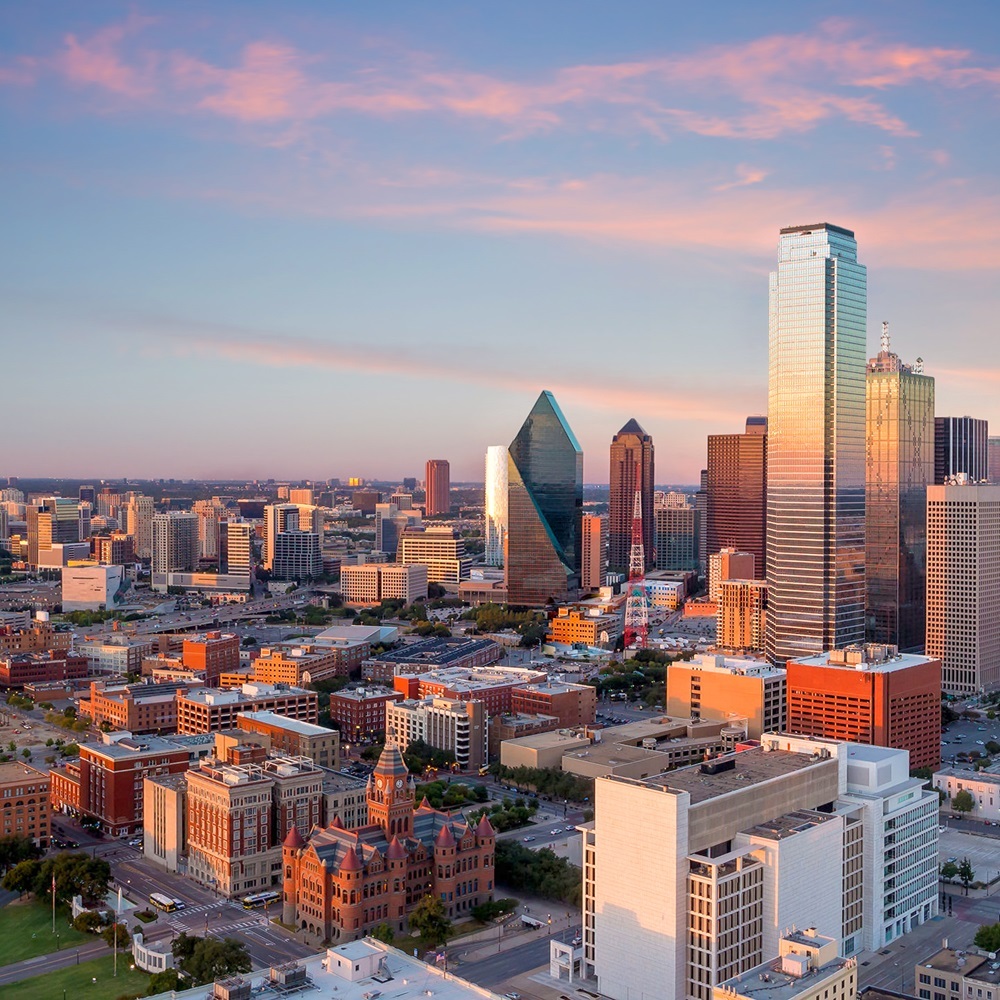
{"x":993,"y":459}
{"x":374,"y":582}
{"x":742,"y":615}
{"x":441,"y":550}
{"x":899,"y":466}
{"x":676,"y":538}
{"x":495,"y":504}
{"x":84,"y":511}
{"x":438,"y":489}
{"x":87,"y":494}
{"x":390,"y":523}
{"x":458,"y":727}
{"x":175,"y":543}
{"x":301,"y":495}
{"x":593,"y":552}
{"x":963,"y":586}
{"x":701,"y":510}
{"x":869,"y":694}
{"x":729,"y":564}
{"x":290,"y":552}
{"x":51,"y":521}
{"x":799,"y":832}
{"x":139,"y":512}
{"x":631,"y":470}
{"x":961,"y":448}
{"x":816,"y":444}
{"x":236,"y":547}
{"x":736,"y":512}
{"x":544,"y":506}
{"x":211,"y":515}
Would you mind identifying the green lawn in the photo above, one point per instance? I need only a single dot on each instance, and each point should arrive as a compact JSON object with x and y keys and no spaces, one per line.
{"x":78,"y":982}
{"x":26,"y":931}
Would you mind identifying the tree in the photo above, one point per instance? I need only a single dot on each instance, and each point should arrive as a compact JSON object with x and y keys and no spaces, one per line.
{"x":88,"y":922}
{"x":949,"y":869}
{"x":430,"y":918}
{"x":988,"y":937}
{"x":26,"y":753}
{"x":15,"y":849}
{"x":966,"y":873}
{"x":163,"y":982}
{"x":384,"y":933}
{"x":963,"y":801}
{"x":75,"y":874}
{"x":116,"y":930}
{"x":183,"y":946}
{"x":22,"y":877}
{"x":213,"y":959}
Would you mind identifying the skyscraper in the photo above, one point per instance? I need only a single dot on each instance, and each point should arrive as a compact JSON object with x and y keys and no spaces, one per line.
{"x":816,"y":444}
{"x":495,"y":504}
{"x":139,"y":523}
{"x":960,"y":447}
{"x":175,"y":543}
{"x":544,"y":506}
{"x":438,"y":486}
{"x":899,"y":466}
{"x":736,"y":514}
{"x":593,"y":552}
{"x":963,"y":586}
{"x":631,"y":470}
{"x":51,"y":521}
{"x":993,"y":459}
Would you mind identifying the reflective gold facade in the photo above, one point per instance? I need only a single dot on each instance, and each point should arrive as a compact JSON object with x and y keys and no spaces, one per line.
{"x":816,"y":444}
{"x":544,"y":508}
{"x":632,"y":468}
{"x":899,"y":466}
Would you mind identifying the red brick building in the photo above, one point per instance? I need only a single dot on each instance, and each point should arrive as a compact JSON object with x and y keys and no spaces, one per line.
{"x":40,"y":668}
{"x":139,"y":708}
{"x":25,"y":807}
{"x":207,"y":710}
{"x":106,"y":783}
{"x":360,"y":712}
{"x":215,"y":653}
{"x":572,"y":704}
{"x":340,"y":884}
{"x":869,"y":694}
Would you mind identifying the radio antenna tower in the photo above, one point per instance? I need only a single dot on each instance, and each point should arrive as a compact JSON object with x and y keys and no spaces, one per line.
{"x":636,"y":604}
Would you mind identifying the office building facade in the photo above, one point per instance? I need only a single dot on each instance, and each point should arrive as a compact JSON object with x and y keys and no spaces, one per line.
{"x":736,"y":512}
{"x":961,"y":448}
{"x":438,"y":486}
{"x":899,"y":466}
{"x":632,"y":461}
{"x":495,"y":505}
{"x":593,"y":552}
{"x":175,"y":544}
{"x":677,"y":538}
{"x":963,"y":586}
{"x":816,"y":444}
{"x":441,"y":550}
{"x":544,"y":506}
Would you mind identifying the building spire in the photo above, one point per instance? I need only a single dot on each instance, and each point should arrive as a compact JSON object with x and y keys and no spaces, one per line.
{"x":885,"y":337}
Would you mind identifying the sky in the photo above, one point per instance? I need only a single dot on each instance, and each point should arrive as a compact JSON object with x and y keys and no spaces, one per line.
{"x":306,"y":240}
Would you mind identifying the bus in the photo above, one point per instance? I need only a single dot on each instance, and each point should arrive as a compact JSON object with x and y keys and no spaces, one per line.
{"x":162,"y":902}
{"x":260,"y":899}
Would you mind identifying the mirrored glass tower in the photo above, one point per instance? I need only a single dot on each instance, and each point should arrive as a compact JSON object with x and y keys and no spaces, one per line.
{"x":544,"y":508}
{"x":816,"y":443}
{"x":495,"y":504}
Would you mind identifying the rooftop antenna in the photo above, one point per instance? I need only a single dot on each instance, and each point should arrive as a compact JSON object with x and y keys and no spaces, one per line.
{"x":918,"y":368}
{"x":885,"y":337}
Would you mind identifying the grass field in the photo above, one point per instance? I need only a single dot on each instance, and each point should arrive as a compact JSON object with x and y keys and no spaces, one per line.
{"x":78,"y":982}
{"x":26,"y":931}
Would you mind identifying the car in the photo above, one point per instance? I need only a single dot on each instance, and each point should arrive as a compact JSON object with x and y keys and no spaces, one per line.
{"x":980,"y":743}
{"x":180,"y":904}
{"x":529,"y":840}
{"x":512,"y":996}
{"x":577,"y":941}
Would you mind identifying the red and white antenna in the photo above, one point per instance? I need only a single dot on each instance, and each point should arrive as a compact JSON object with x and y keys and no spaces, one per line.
{"x":636,"y":603}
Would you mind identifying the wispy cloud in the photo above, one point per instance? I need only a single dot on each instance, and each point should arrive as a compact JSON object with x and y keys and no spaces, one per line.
{"x":745,"y":176}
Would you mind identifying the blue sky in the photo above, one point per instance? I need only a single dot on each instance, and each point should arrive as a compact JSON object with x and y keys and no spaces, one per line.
{"x":316,"y":240}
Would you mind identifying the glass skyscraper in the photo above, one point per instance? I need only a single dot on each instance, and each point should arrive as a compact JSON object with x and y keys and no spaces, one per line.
{"x":495,"y":504}
{"x":544,"y":508}
{"x":632,"y":459}
{"x":816,"y":444}
{"x":899,"y":466}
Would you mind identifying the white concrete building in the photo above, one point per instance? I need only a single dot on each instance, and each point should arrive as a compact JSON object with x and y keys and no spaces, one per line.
{"x":691,"y":877}
{"x":93,"y":588}
{"x":983,"y":786}
{"x":451,"y":724}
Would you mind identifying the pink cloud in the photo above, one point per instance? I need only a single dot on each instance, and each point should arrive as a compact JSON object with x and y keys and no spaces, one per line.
{"x":97,"y":62}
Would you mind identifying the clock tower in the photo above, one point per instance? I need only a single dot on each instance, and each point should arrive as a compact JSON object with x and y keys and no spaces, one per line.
{"x":391,"y":793}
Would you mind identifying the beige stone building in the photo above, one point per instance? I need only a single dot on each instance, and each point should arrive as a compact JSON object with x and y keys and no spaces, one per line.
{"x":164,"y":820}
{"x":742,"y":615}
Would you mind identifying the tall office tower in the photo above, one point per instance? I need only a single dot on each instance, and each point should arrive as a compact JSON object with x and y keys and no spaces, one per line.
{"x":899,"y":466}
{"x":729,"y":564}
{"x":544,"y":507}
{"x":495,"y":504}
{"x":701,"y":507}
{"x":236,"y":547}
{"x":210,"y":514}
{"x":279,"y":518}
{"x":736,"y":513}
{"x":816,"y":444}
{"x":139,"y":523}
{"x":441,"y":550}
{"x":83,"y":512}
{"x":390,"y":523}
{"x":402,"y":500}
{"x":993,"y":459}
{"x":593,"y":552}
{"x":676,"y":538}
{"x":88,"y":494}
{"x":963,"y":586}
{"x":51,"y":521}
{"x":960,"y":448}
{"x":438,"y":492}
{"x":631,"y":470}
{"x":365,"y":500}
{"x":4,"y":525}
{"x":301,"y":495}
{"x":175,"y":542}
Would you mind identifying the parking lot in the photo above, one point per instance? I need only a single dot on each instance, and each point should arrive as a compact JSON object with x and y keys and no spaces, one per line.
{"x":965,"y":736}
{"x":983,"y":852}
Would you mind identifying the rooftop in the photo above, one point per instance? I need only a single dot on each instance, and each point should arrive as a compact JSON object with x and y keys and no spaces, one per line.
{"x":986,"y":776}
{"x":14,"y":771}
{"x":769,"y":981}
{"x":441,"y":650}
{"x":789,"y":825}
{"x":750,"y":767}
{"x":950,"y":960}
{"x":293,"y":725}
{"x":873,"y":657}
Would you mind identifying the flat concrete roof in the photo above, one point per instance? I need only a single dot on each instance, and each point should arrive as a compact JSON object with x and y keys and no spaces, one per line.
{"x":949,"y":960}
{"x":768,"y":982}
{"x":294,"y":725}
{"x":13,"y":771}
{"x":751,"y":767}
{"x":902,"y":661}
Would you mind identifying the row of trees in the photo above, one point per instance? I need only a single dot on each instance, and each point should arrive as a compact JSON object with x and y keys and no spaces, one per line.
{"x":419,"y":756}
{"x":451,"y":795}
{"x":14,"y":850}
{"x":537,"y":873}
{"x":506,"y":815}
{"x":555,"y":783}
{"x":530,"y":625}
{"x":72,"y":874}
